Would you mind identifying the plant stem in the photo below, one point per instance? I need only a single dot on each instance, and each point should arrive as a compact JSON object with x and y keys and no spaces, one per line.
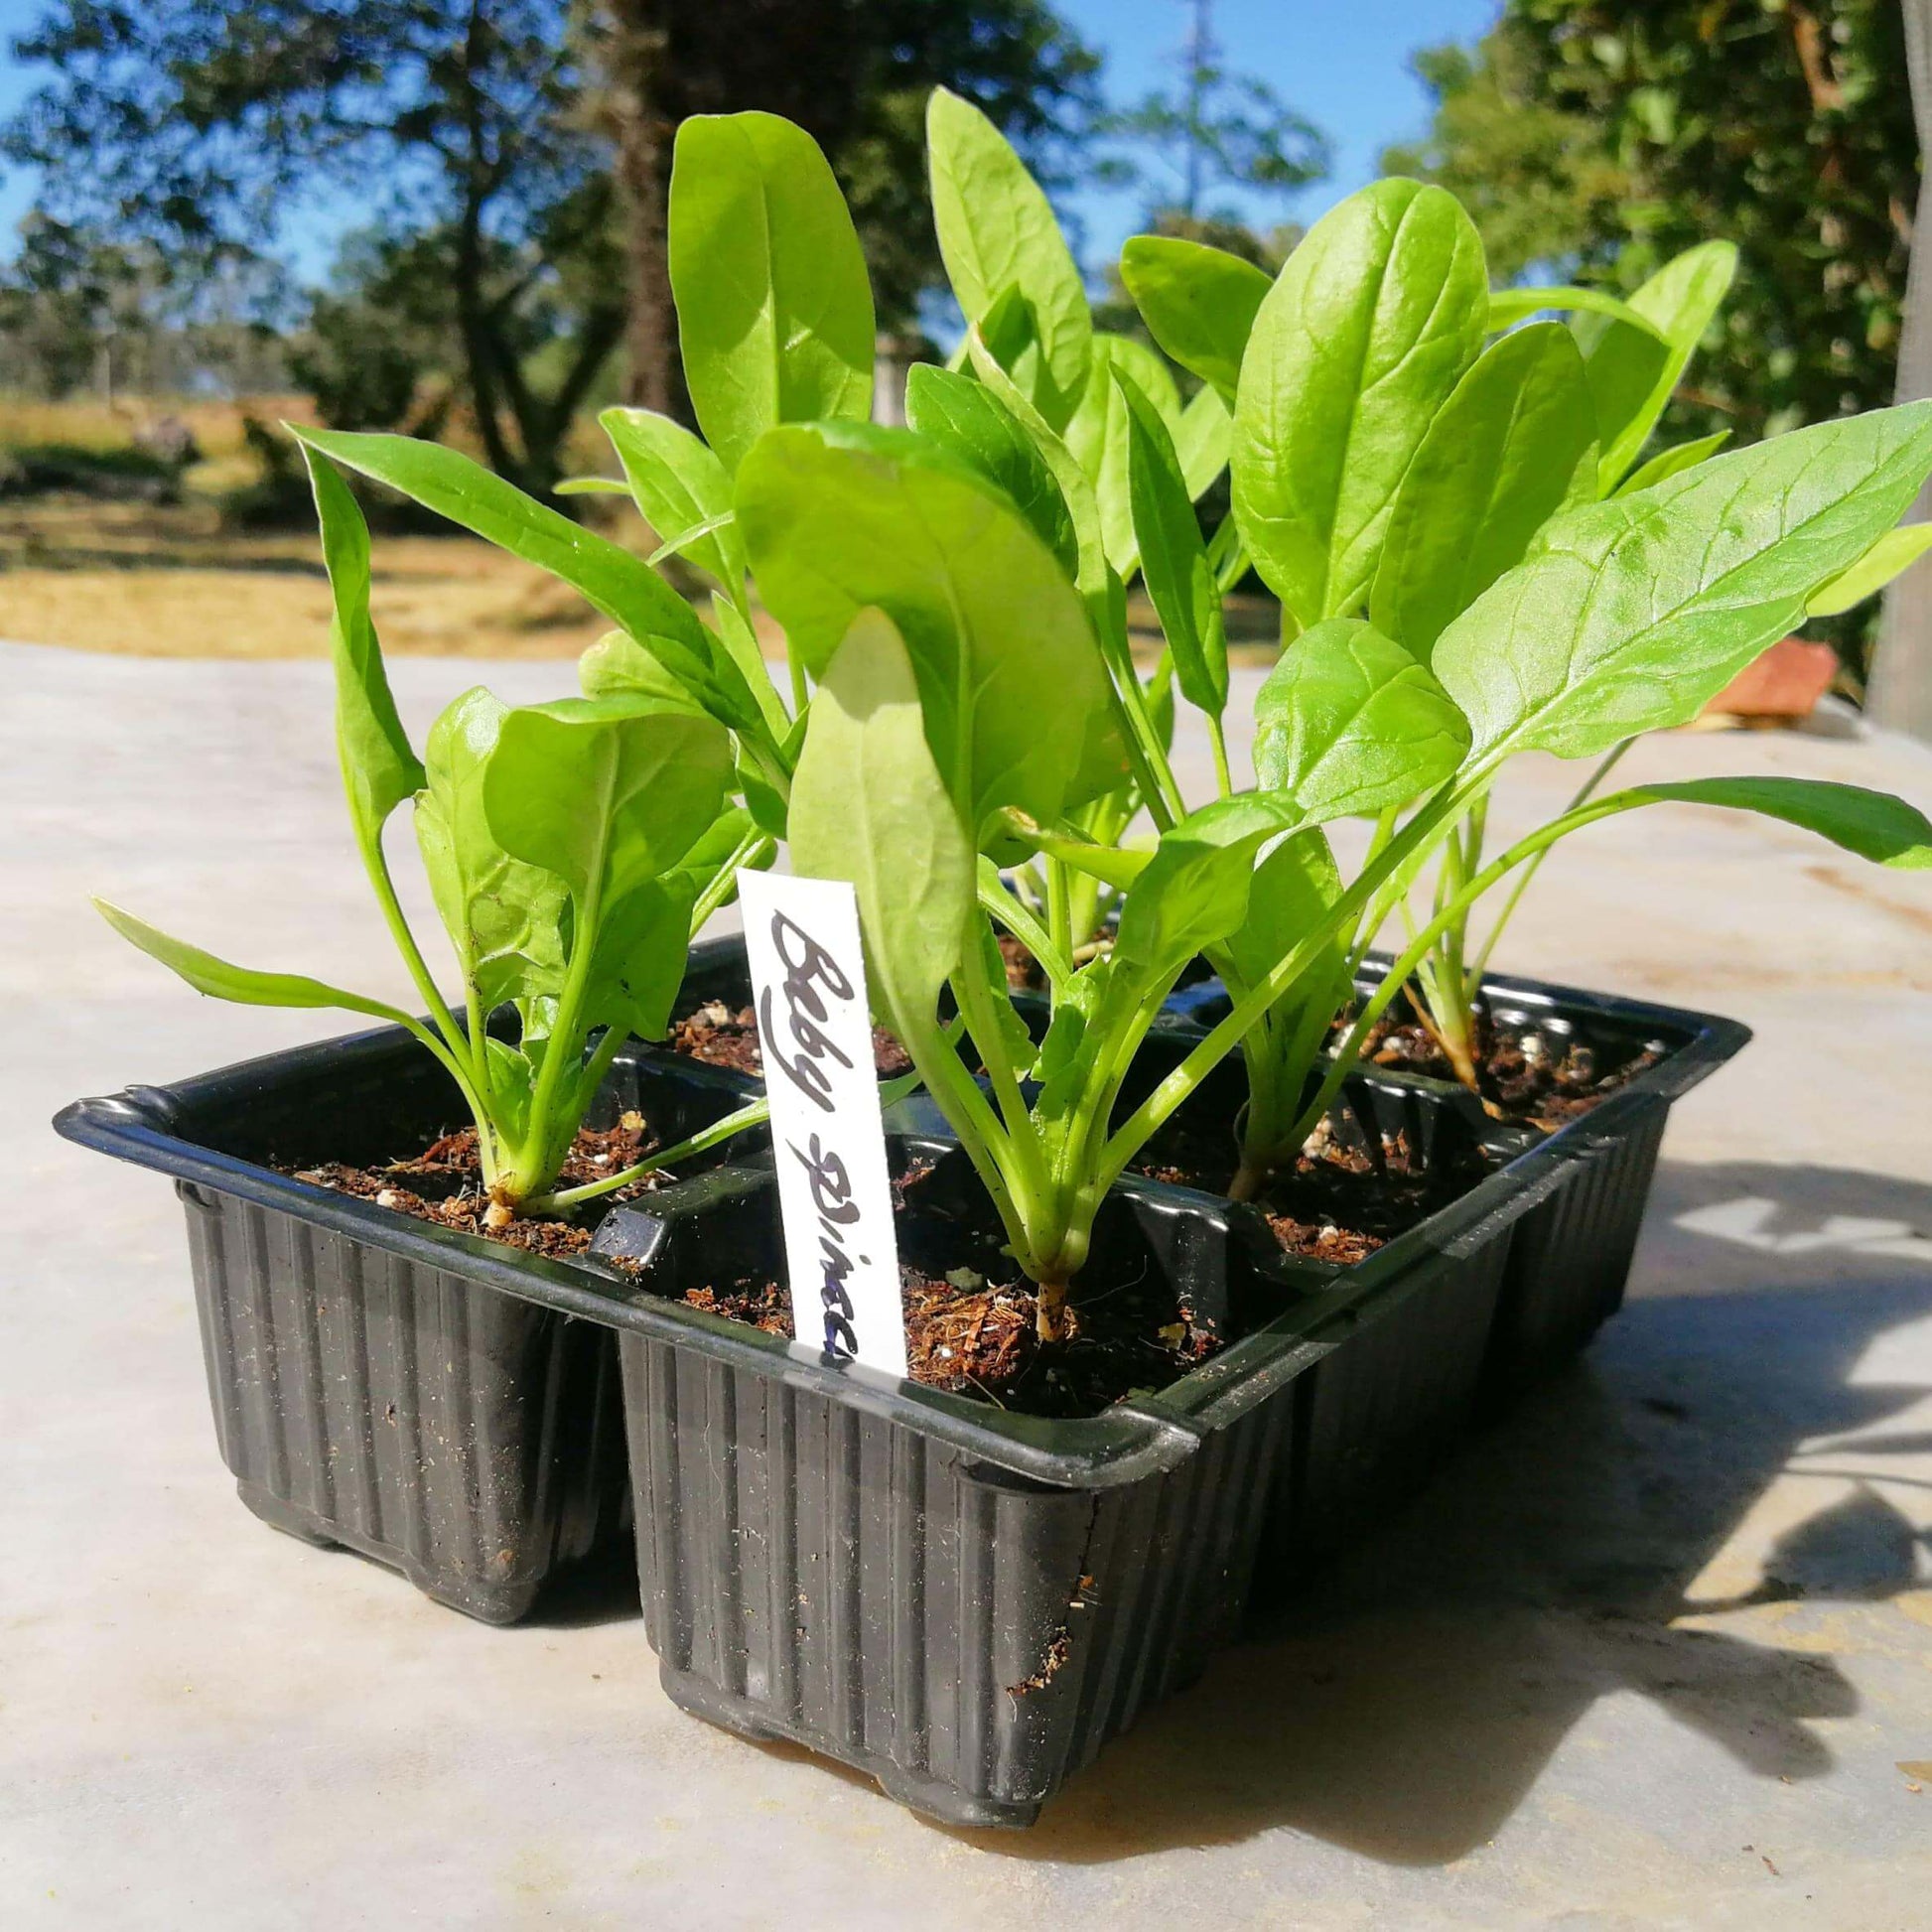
{"x":988,"y":1146}
{"x":1026,"y":1166}
{"x":598,"y":1065}
{"x":1059,"y":908}
{"x":457,"y":1071}
{"x":376,"y":861}
{"x":1153,"y":1111}
{"x":587,"y":916}
{"x":1143,"y":748}
{"x":1006,"y":908}
{"x":1050,"y":1311}
{"x":1523,"y":851}
{"x":720,"y":1130}
{"x":750,"y":850}
{"x":1217,"y":738}
{"x":1605,"y":766}
{"x":490,"y":1154}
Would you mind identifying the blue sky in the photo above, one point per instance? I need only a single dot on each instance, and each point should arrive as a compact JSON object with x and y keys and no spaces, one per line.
{"x":1341,"y":62}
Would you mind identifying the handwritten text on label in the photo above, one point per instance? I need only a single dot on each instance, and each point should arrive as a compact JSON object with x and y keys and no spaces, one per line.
{"x":808,"y":985}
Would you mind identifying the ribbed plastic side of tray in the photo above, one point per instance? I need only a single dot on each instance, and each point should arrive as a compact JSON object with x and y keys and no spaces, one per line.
{"x":963,"y":1635}
{"x":1378,"y":1411}
{"x":1572,"y":1250}
{"x":365,"y":1400}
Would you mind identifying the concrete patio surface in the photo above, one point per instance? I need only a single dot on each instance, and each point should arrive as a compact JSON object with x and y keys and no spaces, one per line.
{"x":1655,"y":1651}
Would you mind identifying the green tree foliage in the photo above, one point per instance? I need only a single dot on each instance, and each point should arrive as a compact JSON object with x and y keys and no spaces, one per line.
{"x":855,"y":74}
{"x":192,"y":123}
{"x":516,"y":154}
{"x":79,"y":307}
{"x":1598,"y":138}
{"x":1220,"y":129}
{"x":68,"y":297}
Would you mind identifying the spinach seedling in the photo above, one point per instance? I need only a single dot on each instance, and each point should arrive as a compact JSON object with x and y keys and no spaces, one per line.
{"x":1494,"y":454}
{"x":775,"y":325}
{"x":1557,"y":430}
{"x":1048,"y":409}
{"x":975,"y":702}
{"x":569,"y":848}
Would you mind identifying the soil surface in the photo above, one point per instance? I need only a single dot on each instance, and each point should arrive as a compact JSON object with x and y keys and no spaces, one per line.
{"x":1024,"y":973}
{"x":972,"y":1329}
{"x":722,"y":1036}
{"x":1340,"y":1203}
{"x":444,"y":1185}
{"x":1524,"y":1075}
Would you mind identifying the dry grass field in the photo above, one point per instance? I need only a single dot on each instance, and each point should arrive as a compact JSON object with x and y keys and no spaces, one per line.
{"x":167,"y":580}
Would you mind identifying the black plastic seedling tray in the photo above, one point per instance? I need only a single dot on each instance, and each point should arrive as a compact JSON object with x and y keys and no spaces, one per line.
{"x":963,"y":1601}
{"x":967,"y":1603}
{"x":379,"y":1382}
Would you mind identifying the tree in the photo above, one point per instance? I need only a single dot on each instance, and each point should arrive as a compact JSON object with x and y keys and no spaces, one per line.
{"x":69,"y":303}
{"x":1217,"y":131}
{"x":78,"y":308}
{"x":1596,"y":138}
{"x":855,"y":73}
{"x":1600,"y":137}
{"x":376,"y":352}
{"x":188,"y":124}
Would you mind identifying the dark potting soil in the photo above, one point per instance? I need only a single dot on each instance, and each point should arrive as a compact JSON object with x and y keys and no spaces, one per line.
{"x":722,"y":1036}
{"x":1524,"y":1075}
{"x":1023,"y":974}
{"x":1339,"y":1203}
{"x":444,"y":1185}
{"x":972,"y":1329}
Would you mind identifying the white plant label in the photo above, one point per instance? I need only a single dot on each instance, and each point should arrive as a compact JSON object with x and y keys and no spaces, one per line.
{"x":808,"y":986}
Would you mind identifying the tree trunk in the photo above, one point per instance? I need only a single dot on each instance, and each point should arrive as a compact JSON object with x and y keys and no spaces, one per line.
{"x":1901,"y":674}
{"x":636,"y":82}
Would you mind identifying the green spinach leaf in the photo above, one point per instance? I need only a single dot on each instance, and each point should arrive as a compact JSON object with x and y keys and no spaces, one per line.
{"x":869,"y":805}
{"x":1873,"y":824}
{"x":1198,"y":303}
{"x":967,"y":418}
{"x":774,"y":311}
{"x":1358,"y":343}
{"x":505,"y":918}
{"x":1348,"y":722}
{"x":1679,"y":301}
{"x":1514,"y":443}
{"x":379,"y":767}
{"x":1173,"y":559}
{"x":997,"y":231}
{"x":838,"y":520}
{"x":678,"y":485}
{"x":1634,"y":613}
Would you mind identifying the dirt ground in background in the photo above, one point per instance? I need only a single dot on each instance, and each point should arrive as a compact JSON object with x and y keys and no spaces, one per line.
{"x":131,"y":579}
{"x":135,"y":579}
{"x":167,"y":581}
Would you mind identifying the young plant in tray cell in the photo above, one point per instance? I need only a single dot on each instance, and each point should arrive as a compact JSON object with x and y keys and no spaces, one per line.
{"x":775,"y":325}
{"x":1392,"y":478}
{"x":570,"y":848}
{"x":1553,"y":426}
{"x":970,"y":706}
{"x":1044,"y":407}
